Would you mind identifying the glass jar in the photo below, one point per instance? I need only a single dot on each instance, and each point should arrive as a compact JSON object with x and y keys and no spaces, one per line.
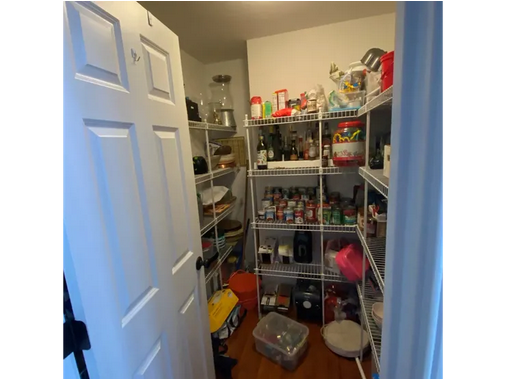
{"x":348,"y":144}
{"x":220,"y":91}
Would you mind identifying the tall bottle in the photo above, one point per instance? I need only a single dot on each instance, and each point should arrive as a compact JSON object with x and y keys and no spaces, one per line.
{"x":301,"y":147}
{"x":309,"y":137}
{"x":293,"y":150}
{"x":277,"y":145}
{"x":286,"y":152}
{"x":261,"y":153}
{"x":327,"y":138}
{"x":312,"y":150}
{"x":270,"y":146}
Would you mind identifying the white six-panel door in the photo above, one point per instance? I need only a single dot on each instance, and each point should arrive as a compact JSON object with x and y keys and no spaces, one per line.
{"x":130,"y":220}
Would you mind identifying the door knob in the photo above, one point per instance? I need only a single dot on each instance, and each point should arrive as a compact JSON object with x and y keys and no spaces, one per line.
{"x":206,"y":262}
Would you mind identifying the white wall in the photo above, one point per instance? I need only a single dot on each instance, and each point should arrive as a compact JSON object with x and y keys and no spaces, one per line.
{"x":197,"y":77}
{"x":298,"y":60}
{"x":239,"y":88}
{"x":193,"y":75}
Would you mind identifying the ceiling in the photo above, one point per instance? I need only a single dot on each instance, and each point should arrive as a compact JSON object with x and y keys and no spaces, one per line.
{"x":213,"y":31}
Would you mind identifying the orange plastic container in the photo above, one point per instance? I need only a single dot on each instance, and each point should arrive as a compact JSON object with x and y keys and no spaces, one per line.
{"x":244,"y":285}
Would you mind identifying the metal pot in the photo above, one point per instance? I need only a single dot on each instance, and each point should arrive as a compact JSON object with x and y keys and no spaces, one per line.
{"x":371,"y":59}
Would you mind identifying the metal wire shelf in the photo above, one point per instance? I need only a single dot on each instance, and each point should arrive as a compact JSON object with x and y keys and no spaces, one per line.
{"x":376,"y":179}
{"x":375,"y":248}
{"x":303,"y":171}
{"x":207,"y":126}
{"x":383,"y":100}
{"x":367,"y":300}
{"x":222,"y":258}
{"x":280,"y":225}
{"x":211,"y":221}
{"x":351,"y":113}
{"x":213,"y":174}
{"x":298,"y":271}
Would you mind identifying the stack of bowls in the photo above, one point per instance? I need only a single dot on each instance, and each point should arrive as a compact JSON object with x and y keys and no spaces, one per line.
{"x":377,"y":314}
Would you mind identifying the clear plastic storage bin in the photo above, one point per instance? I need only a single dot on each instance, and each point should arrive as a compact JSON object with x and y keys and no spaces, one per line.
{"x":281,"y":339}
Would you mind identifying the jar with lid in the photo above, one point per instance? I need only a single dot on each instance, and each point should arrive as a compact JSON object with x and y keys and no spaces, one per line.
{"x":220,"y":93}
{"x":256,"y":107}
{"x":348,"y":144}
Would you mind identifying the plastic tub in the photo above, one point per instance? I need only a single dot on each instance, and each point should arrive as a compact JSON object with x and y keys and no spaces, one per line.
{"x":281,"y":339}
{"x":387,"y":70}
{"x":243,"y":284}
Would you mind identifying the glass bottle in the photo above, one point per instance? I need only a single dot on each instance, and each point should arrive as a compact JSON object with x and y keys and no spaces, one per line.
{"x":270,"y":145}
{"x":261,"y":153}
{"x":327,"y":138}
{"x":301,"y":147}
{"x":277,"y":145}
{"x":312,"y":150}
{"x":286,"y":152}
{"x":293,"y":150}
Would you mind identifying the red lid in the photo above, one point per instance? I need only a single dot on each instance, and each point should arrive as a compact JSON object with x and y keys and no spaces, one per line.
{"x":256,"y":99}
{"x":351,"y":124}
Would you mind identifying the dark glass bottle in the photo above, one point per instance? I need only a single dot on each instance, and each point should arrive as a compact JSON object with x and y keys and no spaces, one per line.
{"x":286,"y":152}
{"x":261,"y":153}
{"x":293,"y":150}
{"x":277,"y":145}
{"x":270,"y":146}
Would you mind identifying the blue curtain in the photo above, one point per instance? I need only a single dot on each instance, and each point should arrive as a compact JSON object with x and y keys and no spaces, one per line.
{"x":412,"y":332}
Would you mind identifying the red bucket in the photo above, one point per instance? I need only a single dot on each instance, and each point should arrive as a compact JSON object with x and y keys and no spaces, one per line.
{"x":387,"y":70}
{"x":244,"y":285}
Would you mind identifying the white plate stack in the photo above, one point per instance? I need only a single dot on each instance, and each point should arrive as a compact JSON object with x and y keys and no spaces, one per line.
{"x":377,"y":314}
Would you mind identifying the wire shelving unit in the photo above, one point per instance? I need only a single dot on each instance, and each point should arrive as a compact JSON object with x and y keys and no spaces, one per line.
{"x":210,"y":222}
{"x":367,"y":299}
{"x":376,"y":179}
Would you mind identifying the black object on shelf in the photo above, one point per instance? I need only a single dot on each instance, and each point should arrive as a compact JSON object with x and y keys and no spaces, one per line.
{"x":307,"y":296}
{"x":303,"y":246}
{"x":200,"y":166}
{"x":193,"y":110}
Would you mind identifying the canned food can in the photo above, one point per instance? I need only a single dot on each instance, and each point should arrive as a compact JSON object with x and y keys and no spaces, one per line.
{"x":289,"y":215}
{"x":336,"y":216}
{"x":296,"y":196}
{"x":268,"y":189}
{"x":280,"y":214}
{"x":285,"y":192}
{"x":261,"y":215}
{"x":292,"y":203}
{"x":326,"y":214}
{"x":277,"y":195}
{"x":270,"y":213}
{"x":310,"y":213}
{"x":349,"y":215}
{"x":299,"y":215}
{"x":283,"y":202}
{"x":300,"y":204}
{"x":269,"y":196}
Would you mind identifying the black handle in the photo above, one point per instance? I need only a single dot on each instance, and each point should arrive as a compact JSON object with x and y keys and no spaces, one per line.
{"x":206,"y":262}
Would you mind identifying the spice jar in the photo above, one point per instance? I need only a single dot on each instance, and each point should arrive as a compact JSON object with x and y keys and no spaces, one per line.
{"x":256,"y":107}
{"x":348,"y":144}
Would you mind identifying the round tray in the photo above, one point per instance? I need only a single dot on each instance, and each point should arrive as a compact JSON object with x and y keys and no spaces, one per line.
{"x":343,"y":338}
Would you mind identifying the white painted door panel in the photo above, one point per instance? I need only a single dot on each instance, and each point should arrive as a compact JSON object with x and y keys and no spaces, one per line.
{"x":129,"y":211}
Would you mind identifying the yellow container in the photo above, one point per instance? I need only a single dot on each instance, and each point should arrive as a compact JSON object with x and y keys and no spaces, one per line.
{"x":219,"y":307}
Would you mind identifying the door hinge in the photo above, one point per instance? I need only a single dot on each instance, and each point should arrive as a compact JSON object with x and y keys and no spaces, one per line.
{"x":75,"y":337}
{"x":150,"y":18}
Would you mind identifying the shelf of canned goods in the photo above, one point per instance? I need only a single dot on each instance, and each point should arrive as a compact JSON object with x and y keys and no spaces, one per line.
{"x":304,"y":211}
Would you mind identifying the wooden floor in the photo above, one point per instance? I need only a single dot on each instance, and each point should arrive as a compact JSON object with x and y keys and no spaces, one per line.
{"x":318,"y":363}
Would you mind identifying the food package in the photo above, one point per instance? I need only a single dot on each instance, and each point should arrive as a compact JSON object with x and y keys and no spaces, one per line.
{"x":286,"y":112}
